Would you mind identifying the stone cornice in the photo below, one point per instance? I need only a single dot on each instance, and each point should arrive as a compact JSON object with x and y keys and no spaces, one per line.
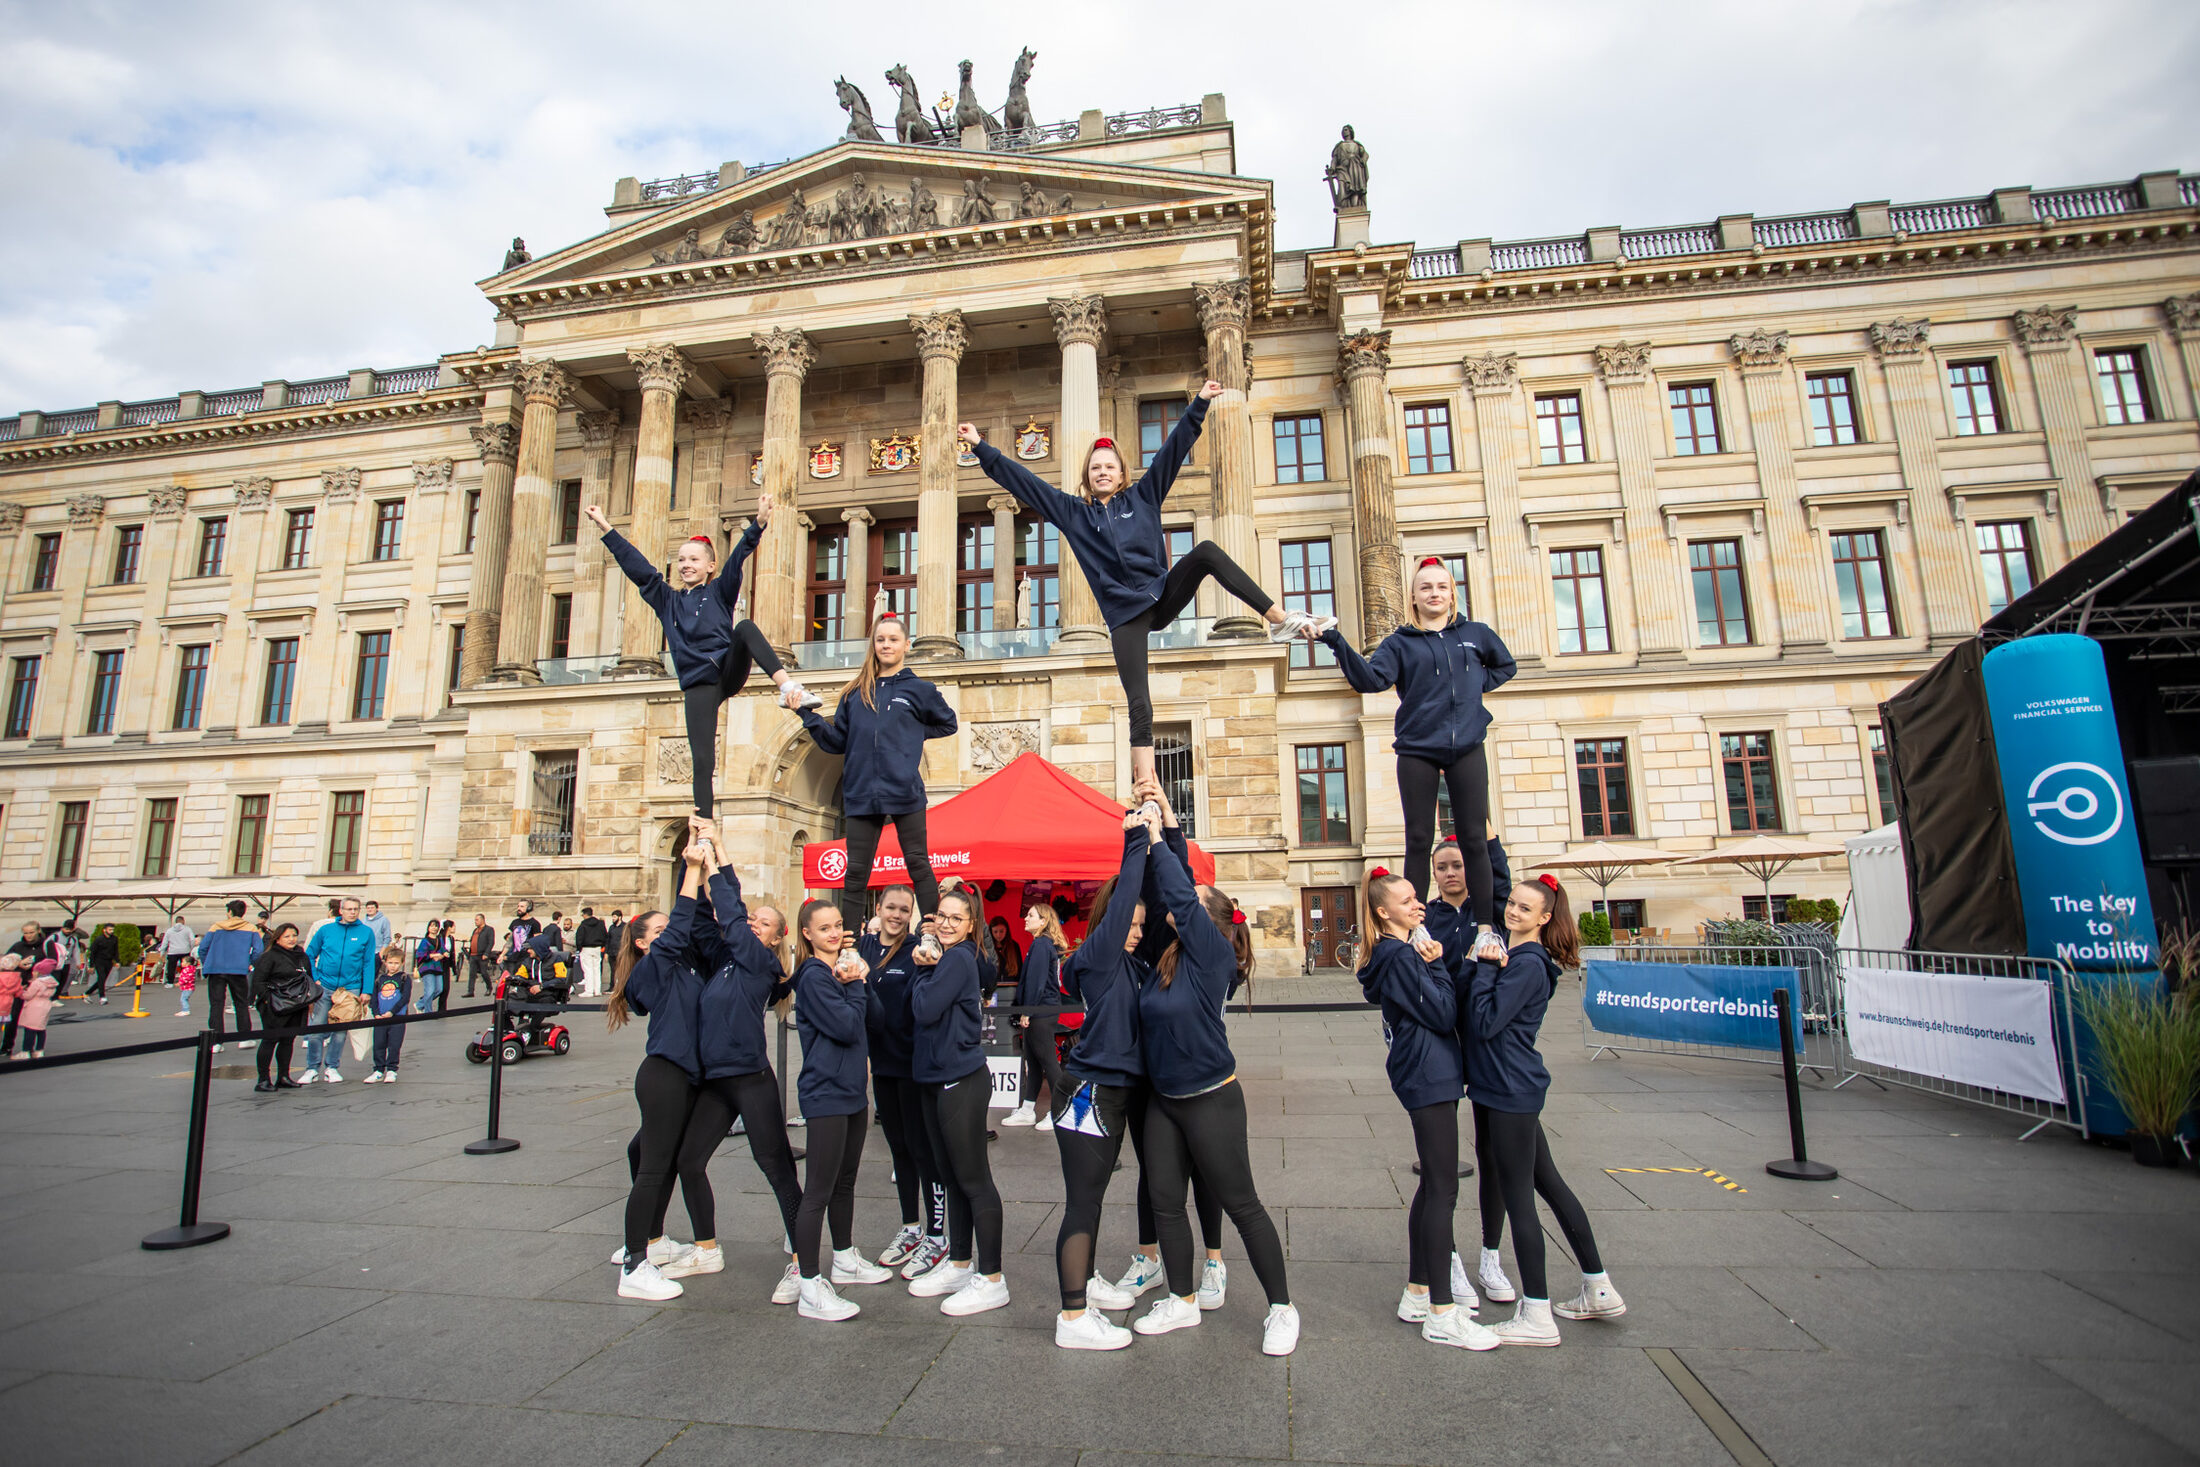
{"x":189,"y":433}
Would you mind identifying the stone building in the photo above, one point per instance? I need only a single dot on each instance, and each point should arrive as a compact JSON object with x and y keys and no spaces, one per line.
{"x":1722,"y":487}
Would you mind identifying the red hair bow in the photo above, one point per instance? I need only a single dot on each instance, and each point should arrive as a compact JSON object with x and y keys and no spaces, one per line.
{"x":704,"y":540}
{"x":1103,"y":443}
{"x":1237,"y":917}
{"x":1429,"y":560}
{"x":891,"y":616}
{"x":1379,"y":871}
{"x":1549,"y":880}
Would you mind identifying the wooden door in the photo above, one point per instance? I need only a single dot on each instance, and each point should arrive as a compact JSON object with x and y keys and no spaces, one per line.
{"x":1327,"y":916}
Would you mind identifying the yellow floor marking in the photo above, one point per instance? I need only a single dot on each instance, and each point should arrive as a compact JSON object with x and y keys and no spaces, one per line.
{"x":1685,"y":1171}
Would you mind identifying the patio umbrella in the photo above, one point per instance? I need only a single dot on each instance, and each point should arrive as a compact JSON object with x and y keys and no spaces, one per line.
{"x":173,"y":894}
{"x":1605,"y":862}
{"x":1766,"y":856}
{"x":273,"y":893}
{"x":73,"y":897}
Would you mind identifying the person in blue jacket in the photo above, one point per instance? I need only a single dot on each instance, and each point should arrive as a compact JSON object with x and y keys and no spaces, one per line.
{"x":1505,"y":1003}
{"x":831,"y":1001}
{"x":344,"y":960}
{"x":712,"y":645}
{"x":956,"y":1088}
{"x":1115,"y":532}
{"x":891,"y":955}
{"x":1039,"y":985}
{"x":1405,"y":973}
{"x":1441,"y":664}
{"x":880,"y":728}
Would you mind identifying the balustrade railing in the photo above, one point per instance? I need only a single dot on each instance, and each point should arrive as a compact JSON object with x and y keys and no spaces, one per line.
{"x":1154,"y":119}
{"x":1805,"y":229}
{"x":1657,"y":244}
{"x":83,"y":420}
{"x":1942,"y":216}
{"x":2093,"y":202}
{"x":680,"y":187}
{"x":10,"y":429}
{"x":1539,"y":254}
{"x":1034,"y":137}
{"x":407,"y":379}
{"x":146,"y":414}
{"x":1428,"y":263}
{"x":319,"y":391}
{"x":2188,"y":189}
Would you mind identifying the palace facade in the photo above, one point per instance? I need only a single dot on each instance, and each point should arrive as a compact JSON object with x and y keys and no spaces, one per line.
{"x":1722,"y":487}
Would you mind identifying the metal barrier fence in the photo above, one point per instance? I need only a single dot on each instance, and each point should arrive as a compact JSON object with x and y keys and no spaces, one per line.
{"x":1817,"y":987}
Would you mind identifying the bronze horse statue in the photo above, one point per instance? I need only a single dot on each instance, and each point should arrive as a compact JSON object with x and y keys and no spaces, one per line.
{"x":910,"y":123}
{"x":861,"y":128}
{"x":1016,"y":112}
{"x":967,"y":111}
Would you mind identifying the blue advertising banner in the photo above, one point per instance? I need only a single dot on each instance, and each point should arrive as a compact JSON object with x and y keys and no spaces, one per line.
{"x":1690,"y":1003}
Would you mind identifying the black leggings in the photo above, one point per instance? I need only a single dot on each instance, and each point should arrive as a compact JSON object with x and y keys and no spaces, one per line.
{"x":1042,"y":1060}
{"x":954,"y":1114}
{"x":702,"y":705}
{"x":1209,"y":1131}
{"x":1524,"y":1168}
{"x":754,"y":1098}
{"x":1469,"y":779}
{"x":863,"y":834}
{"x":1489,"y":1197}
{"x":1087,"y":1164}
{"x":835,"y":1148}
{"x":216,"y":984}
{"x":1201,"y":562}
{"x":667,"y":1099}
{"x":277,"y":1051}
{"x":1428,"y":1221}
{"x":1203,"y":1197}
{"x":916,"y":1173}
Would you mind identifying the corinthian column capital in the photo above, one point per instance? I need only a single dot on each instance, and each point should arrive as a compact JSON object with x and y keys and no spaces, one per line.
{"x":787,"y":351}
{"x":497,"y":443}
{"x":708,"y":417}
{"x":1623,"y":361}
{"x":1079,"y":320}
{"x":940,"y":334}
{"x":1493,"y":371}
{"x":544,"y":382}
{"x":1898,"y":338}
{"x":1759,"y":348}
{"x":597,"y":428}
{"x":1364,"y":354}
{"x":1223,"y":303}
{"x":661,"y":367}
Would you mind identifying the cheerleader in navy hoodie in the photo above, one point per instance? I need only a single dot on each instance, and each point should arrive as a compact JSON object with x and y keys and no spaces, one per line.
{"x":1039,"y":985}
{"x":884,"y":718}
{"x":956,"y":1088}
{"x":1504,"y":1009}
{"x":1449,"y":917}
{"x":712,"y":645}
{"x":891,"y":956}
{"x":1441,"y":664}
{"x":1115,"y":533}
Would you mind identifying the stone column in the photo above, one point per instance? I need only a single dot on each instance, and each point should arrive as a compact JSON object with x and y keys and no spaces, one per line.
{"x":940,"y":342}
{"x":1518,"y":570}
{"x":855,"y":611}
{"x":2184,"y":324}
{"x":1947,"y":564}
{"x":1762,"y":357}
{"x":426,"y":521}
{"x":1079,"y":324}
{"x":498,"y":443}
{"x":1638,"y":435}
{"x":590,"y":560}
{"x":65,"y":675}
{"x":707,"y":421}
{"x":2049,"y":338}
{"x":1004,"y":561}
{"x":1223,"y":309}
{"x":1363,"y":360}
{"x":543,"y":385}
{"x":663,"y":372}
{"x":148,"y":696}
{"x":788,"y":358}
{"x":236,"y":686}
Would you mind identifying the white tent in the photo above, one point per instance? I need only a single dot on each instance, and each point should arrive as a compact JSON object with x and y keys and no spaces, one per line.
{"x":1878,"y":913}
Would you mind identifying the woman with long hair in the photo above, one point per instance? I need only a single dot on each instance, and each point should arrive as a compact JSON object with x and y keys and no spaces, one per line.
{"x":282,"y":988}
{"x":432,"y":961}
{"x":1114,"y":528}
{"x":884,"y":718}
{"x":1441,"y":664}
{"x":712,"y":646}
{"x":1449,"y":917}
{"x":1505,"y":1005}
{"x":1039,"y":986}
{"x":956,"y":1088}
{"x":890,"y":954}
{"x":831,"y":1000}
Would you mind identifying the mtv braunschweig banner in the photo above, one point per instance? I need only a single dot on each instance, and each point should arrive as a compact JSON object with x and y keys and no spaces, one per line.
{"x":1996,"y":1033}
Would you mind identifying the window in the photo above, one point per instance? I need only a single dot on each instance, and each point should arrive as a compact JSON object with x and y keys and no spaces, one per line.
{"x":1309,"y":585}
{"x":473,"y":520}
{"x":1752,"y":789}
{"x":129,"y":543}
{"x":1722,"y":613}
{"x":569,"y":512}
{"x":1558,"y":428}
{"x":1428,"y":438}
{"x":1039,"y":560}
{"x":46,"y":562}
{"x":1882,"y":773}
{"x":828,"y":588}
{"x":2123,"y":379}
{"x":561,"y":627}
{"x":897,"y":568}
{"x":1178,"y":542}
{"x":1457,"y":565}
{"x":1860,"y":570}
{"x":160,"y":838}
{"x":1977,"y":398}
{"x":1695,"y":418}
{"x":213,"y":546}
{"x":1600,"y":769}
{"x":1577,"y":585}
{"x":282,"y":677}
{"x":251,"y":848}
{"x":1299,"y":450}
{"x":974,"y":576}
{"x":1325,"y":805}
{"x":1753,"y":908}
{"x":1155,"y":419}
{"x":372,"y":684}
{"x":1172,"y":765}
{"x":1832,"y":408}
{"x":22,"y":696}
{"x":191,"y":666}
{"x":347,"y":818}
{"x":457,"y":668}
{"x":68,"y":840}
{"x":389,"y":528}
{"x":2005,"y":554}
{"x":298,"y":540}
{"x":556,"y":775}
{"x":106,"y":692}
{"x":1626,"y":913}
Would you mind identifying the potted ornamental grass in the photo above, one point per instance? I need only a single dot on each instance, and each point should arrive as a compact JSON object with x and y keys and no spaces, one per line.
{"x":2146,"y":1037}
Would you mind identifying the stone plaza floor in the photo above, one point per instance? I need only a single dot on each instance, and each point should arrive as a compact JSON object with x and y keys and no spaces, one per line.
{"x":1955,"y":1297}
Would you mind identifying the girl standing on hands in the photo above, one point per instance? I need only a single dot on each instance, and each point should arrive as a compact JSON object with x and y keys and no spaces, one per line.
{"x":1116,"y":534}
{"x":711,"y":650}
{"x":956,"y":1089}
{"x":830,"y":1000}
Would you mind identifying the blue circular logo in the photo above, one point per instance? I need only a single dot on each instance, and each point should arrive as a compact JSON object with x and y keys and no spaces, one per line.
{"x":2075,"y":803}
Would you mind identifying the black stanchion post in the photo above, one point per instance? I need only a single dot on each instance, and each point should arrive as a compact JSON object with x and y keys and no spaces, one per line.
{"x":1799,"y":1167}
{"x":798,"y":1152}
{"x":189,"y":1232}
{"x":492,"y":1143}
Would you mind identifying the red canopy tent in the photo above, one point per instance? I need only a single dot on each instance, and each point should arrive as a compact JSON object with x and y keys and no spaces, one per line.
{"x":1028,"y":822}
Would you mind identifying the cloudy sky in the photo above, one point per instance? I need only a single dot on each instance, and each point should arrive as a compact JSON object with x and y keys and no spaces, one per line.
{"x":206,"y":195}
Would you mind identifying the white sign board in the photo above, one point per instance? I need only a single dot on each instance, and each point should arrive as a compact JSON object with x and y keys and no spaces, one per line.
{"x":1996,"y":1033}
{"x":1008,"y":1080}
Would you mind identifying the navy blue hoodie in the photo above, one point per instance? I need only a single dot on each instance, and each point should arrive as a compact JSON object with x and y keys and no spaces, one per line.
{"x":665,"y":985}
{"x":1454,"y":926}
{"x":745,"y":979}
{"x":1180,"y":1026}
{"x":1498,"y":1024}
{"x":698,"y":620}
{"x":1108,"y":979}
{"x":949,"y":1019}
{"x":892,"y":1023}
{"x":1039,"y":983}
{"x":1440,"y":677}
{"x":1420,"y":1023}
{"x":884,"y":744}
{"x":1118,"y":544}
{"x":829,"y":1015}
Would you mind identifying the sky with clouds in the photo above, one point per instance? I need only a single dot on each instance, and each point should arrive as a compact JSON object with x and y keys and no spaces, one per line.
{"x":208,"y":195}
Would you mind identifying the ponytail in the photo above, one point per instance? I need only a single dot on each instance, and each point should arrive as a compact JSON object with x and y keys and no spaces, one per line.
{"x":1379,"y":884}
{"x":1230,"y":921}
{"x":615,"y":1009}
{"x":1560,"y":937}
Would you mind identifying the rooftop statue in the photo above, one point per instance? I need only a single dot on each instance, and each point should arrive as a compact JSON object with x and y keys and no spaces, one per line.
{"x":861,"y":128}
{"x":1016,"y":111}
{"x":517,"y":255}
{"x":1347,"y":173}
{"x":910,"y":123}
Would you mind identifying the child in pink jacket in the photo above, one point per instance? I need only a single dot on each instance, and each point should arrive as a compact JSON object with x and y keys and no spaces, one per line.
{"x":37,"y":1004}
{"x":11,"y":992}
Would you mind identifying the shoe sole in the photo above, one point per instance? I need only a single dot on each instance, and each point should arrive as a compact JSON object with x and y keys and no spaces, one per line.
{"x":827,"y":1318}
{"x":1541,"y":1344}
{"x":1460,"y":1344}
{"x":841,"y":1278}
{"x":917,"y":1293}
{"x":1589,"y":1313}
{"x":965,"y":1313}
{"x":626,"y":1293}
{"x":1112,"y":1344}
{"x":1290,"y":1349}
{"x":1219,"y":1301}
{"x":1167,"y":1329}
{"x":678,"y":1271}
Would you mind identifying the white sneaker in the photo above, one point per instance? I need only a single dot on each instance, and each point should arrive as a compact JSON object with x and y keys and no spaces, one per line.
{"x":389,"y":1077}
{"x":1412,"y":1307}
{"x":312,"y":1075}
{"x":1145,"y":1273}
{"x":929,"y":1254}
{"x":1298,"y":624}
{"x":1100,"y":1294}
{"x":693,"y":1260}
{"x":1453,"y":1327}
{"x":643,"y":1281}
{"x":1490,"y":1273}
{"x":789,"y":1287}
{"x":1462,"y":1287}
{"x":818,"y":1301}
{"x":1045,"y":1121}
{"x":332,"y":1075}
{"x":977,"y":1296}
{"x":945,"y":1279}
{"x":374,"y":1077}
{"x":1214,"y":1284}
{"x":1280,"y":1333}
{"x":660,"y":1251}
{"x":1530,"y":1325}
{"x":809,"y":699}
{"x":851,"y":1267}
{"x":1021,"y":1116}
{"x":1089,"y":1331}
{"x":904,"y":1245}
{"x":1168,"y":1313}
{"x":1597,"y":1300}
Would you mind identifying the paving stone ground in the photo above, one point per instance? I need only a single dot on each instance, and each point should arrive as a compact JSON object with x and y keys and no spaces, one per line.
{"x":1956,"y":1297}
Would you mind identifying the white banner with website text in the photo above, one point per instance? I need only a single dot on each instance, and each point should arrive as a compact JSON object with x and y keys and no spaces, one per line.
{"x":1997,"y":1033}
